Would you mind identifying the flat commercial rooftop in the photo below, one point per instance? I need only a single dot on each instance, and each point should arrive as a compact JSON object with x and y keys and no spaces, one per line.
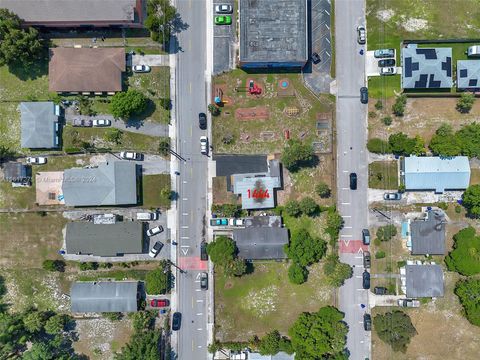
{"x":273,"y":31}
{"x":424,"y":281}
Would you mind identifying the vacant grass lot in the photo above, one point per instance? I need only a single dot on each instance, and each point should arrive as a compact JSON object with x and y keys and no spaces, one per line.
{"x":265,"y":136}
{"x":25,"y":87}
{"x":265,"y":300}
{"x":384,"y":86}
{"x":383,"y":175}
{"x":155,"y":191}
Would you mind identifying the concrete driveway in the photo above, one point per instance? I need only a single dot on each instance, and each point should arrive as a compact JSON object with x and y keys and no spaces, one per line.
{"x":151,"y":164}
{"x":415,"y":197}
{"x":150,"y":60}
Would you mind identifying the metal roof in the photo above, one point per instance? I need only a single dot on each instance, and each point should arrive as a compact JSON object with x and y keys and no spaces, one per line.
{"x":228,"y":165}
{"x":113,"y":183}
{"x":38,"y":121}
{"x":256,"y":243}
{"x":273,"y":31}
{"x":108,"y":296}
{"x":468,"y":74}
{"x":86,"y":238}
{"x":436,"y":173}
{"x":257,"y":191}
{"x":426,"y":67}
{"x":47,"y":11}
{"x":424,"y":281}
{"x":428,"y":235}
{"x":263,"y":221}
{"x":17,"y":172}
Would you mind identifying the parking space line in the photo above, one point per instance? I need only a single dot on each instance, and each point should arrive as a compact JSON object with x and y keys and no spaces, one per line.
{"x":361,"y":289}
{"x":345,"y":171}
{"x":346,"y":216}
{"x":199,"y":329}
{"x":347,"y":227}
{"x":184,"y":237}
{"x":345,"y":189}
{"x":199,"y":300}
{"x":197,"y":289}
{"x":199,"y":314}
{"x":345,"y":203}
{"x":184,"y":199}
{"x":358,"y":276}
{"x":185,"y":227}
{"x":184,"y":214}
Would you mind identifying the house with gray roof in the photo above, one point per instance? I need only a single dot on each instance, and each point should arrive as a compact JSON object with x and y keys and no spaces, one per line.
{"x":106,"y":296}
{"x":117,"y":239}
{"x":112,"y":183}
{"x":39,"y":122}
{"x":426,"y":68}
{"x":262,"y":238}
{"x":273,"y":33}
{"x":468,"y":75}
{"x":17,"y":173}
{"x":428,"y":234}
{"x":424,"y":281}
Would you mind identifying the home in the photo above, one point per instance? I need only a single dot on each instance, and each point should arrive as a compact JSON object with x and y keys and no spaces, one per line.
{"x":468,"y":75}
{"x":273,"y":33}
{"x":86,"y":70}
{"x":112,"y":240}
{"x":428,"y":234}
{"x":112,"y":183}
{"x":107,"y":296}
{"x":435,"y":173}
{"x":262,"y":238}
{"x":75,"y":13}
{"x":20,"y":175}
{"x":39,"y":122}
{"x":426,"y":68}
{"x":422,"y":280}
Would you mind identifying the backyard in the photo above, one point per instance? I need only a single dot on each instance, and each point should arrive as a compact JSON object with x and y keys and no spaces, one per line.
{"x":258,"y":123}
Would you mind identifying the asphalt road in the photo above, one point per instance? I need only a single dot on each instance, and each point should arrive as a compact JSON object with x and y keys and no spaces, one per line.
{"x":192,"y":181}
{"x":351,"y":157}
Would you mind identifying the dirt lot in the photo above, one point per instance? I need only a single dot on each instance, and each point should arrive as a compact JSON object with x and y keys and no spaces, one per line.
{"x":423,"y":116}
{"x":442,"y":331}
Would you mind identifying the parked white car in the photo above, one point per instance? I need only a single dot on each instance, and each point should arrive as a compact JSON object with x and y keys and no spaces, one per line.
{"x":204,"y":145}
{"x":39,"y":160}
{"x":155,"y":249}
{"x":235,"y":222}
{"x":223,"y":9}
{"x":155,"y":231}
{"x":408,"y":303}
{"x":130,"y":155}
{"x":141,"y":68}
{"x":390,"y":70}
{"x":101,"y":122}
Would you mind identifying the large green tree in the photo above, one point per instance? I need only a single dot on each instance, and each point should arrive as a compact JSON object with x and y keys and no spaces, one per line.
{"x":445,"y":143}
{"x":319,"y":335}
{"x":336,"y":271}
{"x":124,"y":104}
{"x":297,"y":274}
{"x":468,"y":292}
{"x":386,"y":232}
{"x":469,"y":137}
{"x":395,"y":328}
{"x":160,"y":16}
{"x":465,"y":256}
{"x":471,"y":200}
{"x":18,"y":45}
{"x":297,"y":155}
{"x":272,"y":342}
{"x":143,"y":345}
{"x":304,"y":249}
{"x":158,"y":280}
{"x":221,"y":251}
{"x":401,"y":144}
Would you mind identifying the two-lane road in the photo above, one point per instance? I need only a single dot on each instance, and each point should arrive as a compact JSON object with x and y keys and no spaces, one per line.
{"x":351,"y":158}
{"x":192,"y":181}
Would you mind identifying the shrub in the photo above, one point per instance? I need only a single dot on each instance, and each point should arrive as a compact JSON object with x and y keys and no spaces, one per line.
{"x":471,"y":200}
{"x":297,"y":155}
{"x":226,"y":210}
{"x":158,"y":281}
{"x":165,"y":103}
{"x":465,"y":256}
{"x":214,"y":110}
{"x":377,"y":242}
{"x":84,"y":266}
{"x":308,"y":206}
{"x":236,"y":267}
{"x":385,"y":233}
{"x":221,"y":251}
{"x":372,"y":114}
{"x":113,"y":135}
{"x":164,"y":147}
{"x":228,"y":138}
{"x":160,"y":15}
{"x":468,"y":291}
{"x":323,"y":190}
{"x":379,"y":105}
{"x":378,"y":146}
{"x":399,"y":107}
{"x":113,"y":316}
{"x":443,"y":205}
{"x":380,"y":254}
{"x":54,"y":265}
{"x":304,"y":249}
{"x":336,"y":271}
{"x":292,"y":208}
{"x":297,"y":274}
{"x":458,"y":209}
{"x":124,"y":104}
{"x":401,"y":144}
{"x":465,"y":102}
{"x":387,"y":120}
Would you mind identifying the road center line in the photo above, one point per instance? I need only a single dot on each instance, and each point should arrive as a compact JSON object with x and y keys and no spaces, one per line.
{"x":345,"y":203}
{"x":185,"y":227}
{"x":199,"y":314}
{"x":184,"y":199}
{"x":346,"y":216}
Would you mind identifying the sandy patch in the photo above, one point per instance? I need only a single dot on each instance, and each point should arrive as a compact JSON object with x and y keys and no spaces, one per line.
{"x":385,"y":15}
{"x":414,"y":25}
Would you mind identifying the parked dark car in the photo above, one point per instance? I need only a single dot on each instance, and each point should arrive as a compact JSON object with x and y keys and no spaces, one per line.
{"x":353,"y":181}
{"x":366,"y":279}
{"x":379,"y":290}
{"x":386,"y":62}
{"x":203,"y":251}
{"x":367,"y":322}
{"x":316,"y":58}
{"x":204,"y":281}
{"x":366,"y":237}
{"x":364,"y":95}
{"x":176,"y":321}
{"x":366,"y":259}
{"x":202,"y":121}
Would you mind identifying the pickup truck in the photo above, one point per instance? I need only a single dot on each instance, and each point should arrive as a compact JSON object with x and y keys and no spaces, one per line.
{"x":235,"y":222}
{"x":219,"y":222}
{"x":408,"y":303}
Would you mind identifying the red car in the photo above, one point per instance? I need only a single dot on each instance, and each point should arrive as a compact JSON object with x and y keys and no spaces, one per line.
{"x":159,"y":303}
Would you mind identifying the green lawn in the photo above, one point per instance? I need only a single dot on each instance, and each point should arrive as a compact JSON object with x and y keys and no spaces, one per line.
{"x":383,"y":175}
{"x":25,"y":87}
{"x":384,"y":86}
{"x":265,"y":300}
{"x":156,"y":190}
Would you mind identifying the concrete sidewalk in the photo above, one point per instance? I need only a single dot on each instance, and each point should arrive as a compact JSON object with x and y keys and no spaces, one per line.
{"x":151,"y":60}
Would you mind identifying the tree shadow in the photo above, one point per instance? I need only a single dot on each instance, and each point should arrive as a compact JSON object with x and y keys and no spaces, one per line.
{"x":32,"y":71}
{"x":178,"y":25}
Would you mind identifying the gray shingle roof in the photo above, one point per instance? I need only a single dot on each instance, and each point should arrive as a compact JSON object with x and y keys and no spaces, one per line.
{"x":87,"y":238}
{"x":255,"y":243}
{"x":113,"y":183}
{"x":38,"y":125}
{"x":424,"y":281}
{"x":428,"y":236}
{"x":111,"y":296}
{"x":426,"y":68}
{"x":273,"y":31}
{"x":468,"y":74}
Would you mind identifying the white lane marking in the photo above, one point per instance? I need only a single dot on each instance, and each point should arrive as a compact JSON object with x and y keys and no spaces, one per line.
{"x":197,"y":281}
{"x":184,"y":251}
{"x":349,"y":236}
{"x":344,"y":188}
{"x":328,"y":27}
{"x":345,"y":203}
{"x":361,"y":289}
{"x":346,"y":216}
{"x":184,"y":181}
{"x":361,"y":341}
{"x":347,"y":227}
{"x":184,"y":214}
{"x":185,"y":246}
{"x":184,"y":226}
{"x":358,"y":276}
{"x":327,"y":40}
{"x":197,"y":277}
{"x":184,"y":237}
{"x":199,"y":300}
{"x":199,"y":329}
{"x":197,"y":290}
{"x":184,"y":199}
{"x":345,"y":171}
{"x":199,"y":314}
{"x":199,"y":346}
{"x":326,"y":52}
{"x":327,"y":12}
{"x":358,"y":257}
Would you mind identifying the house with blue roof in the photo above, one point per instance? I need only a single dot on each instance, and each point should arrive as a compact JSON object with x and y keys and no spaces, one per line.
{"x":468,"y":75}
{"x":435,"y":173}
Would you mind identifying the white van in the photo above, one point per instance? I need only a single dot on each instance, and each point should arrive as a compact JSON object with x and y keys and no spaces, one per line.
{"x":147,"y":216}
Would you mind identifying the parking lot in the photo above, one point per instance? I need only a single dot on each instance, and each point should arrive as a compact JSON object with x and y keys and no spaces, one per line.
{"x":371,"y":64}
{"x":224,"y":37}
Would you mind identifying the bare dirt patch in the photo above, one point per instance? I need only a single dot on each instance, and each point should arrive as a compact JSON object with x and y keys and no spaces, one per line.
{"x":385,"y":15}
{"x":254,"y":113}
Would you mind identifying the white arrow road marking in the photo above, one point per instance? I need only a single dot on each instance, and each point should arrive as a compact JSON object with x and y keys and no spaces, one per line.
{"x":360,"y":251}
{"x":198,"y":276}
{"x":346,"y":242}
{"x":184,"y":251}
